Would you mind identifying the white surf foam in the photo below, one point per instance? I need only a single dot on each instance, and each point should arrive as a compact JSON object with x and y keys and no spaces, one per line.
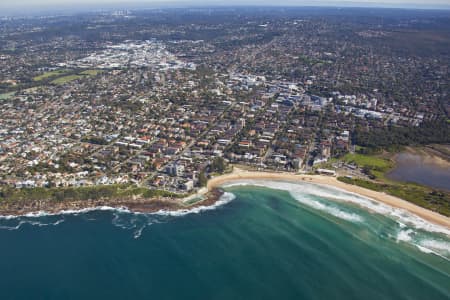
{"x":224,"y":199}
{"x":405,"y":235}
{"x":426,"y":250}
{"x":436,"y":245}
{"x":32,"y":223}
{"x":6,"y":227}
{"x":330,"y":209}
{"x":137,"y":233}
{"x":301,"y":189}
{"x":137,"y":221}
{"x":227,"y":197}
{"x":40,"y":214}
{"x":123,"y":217}
{"x":302,"y":194}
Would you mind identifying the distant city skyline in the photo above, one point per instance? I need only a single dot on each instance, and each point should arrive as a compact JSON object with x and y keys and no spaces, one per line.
{"x":80,"y":4}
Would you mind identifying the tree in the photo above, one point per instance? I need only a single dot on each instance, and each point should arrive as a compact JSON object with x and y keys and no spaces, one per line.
{"x":202,"y":180}
{"x":218,"y":165}
{"x":51,"y":184}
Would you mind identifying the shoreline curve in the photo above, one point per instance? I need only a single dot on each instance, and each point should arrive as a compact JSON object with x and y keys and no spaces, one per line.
{"x":239,"y":174}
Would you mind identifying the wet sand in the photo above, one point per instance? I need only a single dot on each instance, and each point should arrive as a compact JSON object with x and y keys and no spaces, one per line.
{"x":239,"y":174}
{"x":212,"y":194}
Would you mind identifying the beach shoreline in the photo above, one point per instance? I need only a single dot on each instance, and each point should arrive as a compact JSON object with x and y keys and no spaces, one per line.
{"x":212,"y":193}
{"x":240,"y":175}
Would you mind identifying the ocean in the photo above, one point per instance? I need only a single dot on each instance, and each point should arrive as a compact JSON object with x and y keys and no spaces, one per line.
{"x":263,"y":240}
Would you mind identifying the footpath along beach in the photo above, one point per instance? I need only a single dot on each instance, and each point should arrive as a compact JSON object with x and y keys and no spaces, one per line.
{"x":240,"y":175}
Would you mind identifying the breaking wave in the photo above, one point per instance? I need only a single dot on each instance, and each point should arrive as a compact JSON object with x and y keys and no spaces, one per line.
{"x":121,"y":217}
{"x":301,"y":191}
{"x":352,"y":217}
{"x":424,"y":243}
{"x":408,"y":228}
{"x":224,"y":199}
{"x":137,"y":222}
{"x":41,"y":214}
{"x":304,"y":193}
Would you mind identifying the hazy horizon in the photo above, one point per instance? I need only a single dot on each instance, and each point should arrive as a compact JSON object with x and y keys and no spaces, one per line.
{"x":36,"y":6}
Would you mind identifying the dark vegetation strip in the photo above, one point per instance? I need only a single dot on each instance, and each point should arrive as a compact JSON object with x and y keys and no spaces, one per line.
{"x":435,"y":200}
{"x":119,"y":191}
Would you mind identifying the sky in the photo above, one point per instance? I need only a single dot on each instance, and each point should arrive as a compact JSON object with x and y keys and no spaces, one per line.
{"x":25,"y":5}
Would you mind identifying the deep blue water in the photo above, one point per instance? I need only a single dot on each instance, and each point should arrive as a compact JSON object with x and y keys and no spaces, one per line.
{"x":265,"y":244}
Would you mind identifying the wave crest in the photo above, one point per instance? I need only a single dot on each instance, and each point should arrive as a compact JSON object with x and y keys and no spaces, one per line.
{"x":122,"y":217}
{"x":302,"y":189}
{"x":227,"y":197}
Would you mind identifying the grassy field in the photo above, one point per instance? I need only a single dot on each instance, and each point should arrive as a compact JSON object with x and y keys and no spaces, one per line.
{"x":50,"y":74}
{"x":6,"y":96}
{"x":378,"y":166}
{"x":66,"y":79}
{"x":64,"y":76}
{"x":370,"y":161}
{"x":375,"y":164}
{"x":91,"y":72}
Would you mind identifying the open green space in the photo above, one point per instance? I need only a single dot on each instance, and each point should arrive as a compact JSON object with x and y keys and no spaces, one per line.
{"x":429,"y":198}
{"x":370,"y":161}
{"x":66,"y":79}
{"x":373,"y":165}
{"x":377,"y":166}
{"x":50,"y":74}
{"x":6,"y":96}
{"x":59,"y":77}
{"x":92,"y":72}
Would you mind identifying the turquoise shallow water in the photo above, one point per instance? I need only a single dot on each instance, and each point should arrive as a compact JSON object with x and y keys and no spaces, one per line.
{"x":293,"y":243}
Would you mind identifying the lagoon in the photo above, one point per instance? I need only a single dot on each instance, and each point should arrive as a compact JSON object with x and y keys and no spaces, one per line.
{"x":422,"y":169}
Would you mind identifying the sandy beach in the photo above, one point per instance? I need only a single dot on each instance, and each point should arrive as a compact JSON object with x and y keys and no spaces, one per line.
{"x":239,"y":174}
